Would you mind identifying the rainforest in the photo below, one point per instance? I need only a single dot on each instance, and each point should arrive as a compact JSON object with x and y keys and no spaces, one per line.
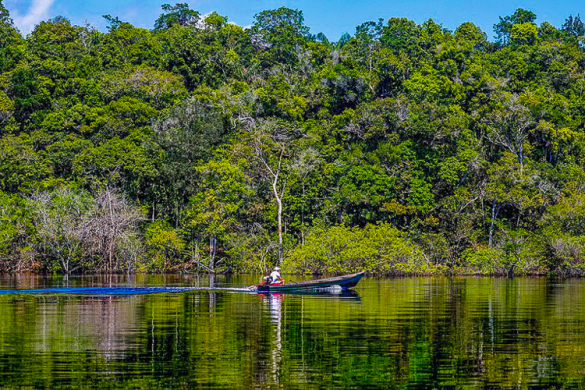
{"x":203,"y":146}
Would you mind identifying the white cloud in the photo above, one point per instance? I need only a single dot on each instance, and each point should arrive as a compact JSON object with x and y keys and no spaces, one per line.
{"x":38,"y":11}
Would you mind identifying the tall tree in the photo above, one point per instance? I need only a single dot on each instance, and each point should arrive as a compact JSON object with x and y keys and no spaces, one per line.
{"x":574,"y":26}
{"x":280,"y":33}
{"x":179,"y":14}
{"x":10,"y":39}
{"x":216,"y":210}
{"x":271,"y":145}
{"x":503,"y":29}
{"x":185,"y":138}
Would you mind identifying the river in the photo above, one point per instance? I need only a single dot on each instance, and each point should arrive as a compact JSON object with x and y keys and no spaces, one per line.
{"x":399,"y":332}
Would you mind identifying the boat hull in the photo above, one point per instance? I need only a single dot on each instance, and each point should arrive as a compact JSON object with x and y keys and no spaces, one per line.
{"x":344,"y":282}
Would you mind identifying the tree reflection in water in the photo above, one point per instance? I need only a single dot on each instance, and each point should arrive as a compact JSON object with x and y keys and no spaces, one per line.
{"x":412,"y":332}
{"x":274,"y":302}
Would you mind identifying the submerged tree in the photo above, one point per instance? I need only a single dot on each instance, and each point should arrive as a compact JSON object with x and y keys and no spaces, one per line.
{"x":58,"y":217}
{"x":79,"y":231}
{"x":110,"y":231}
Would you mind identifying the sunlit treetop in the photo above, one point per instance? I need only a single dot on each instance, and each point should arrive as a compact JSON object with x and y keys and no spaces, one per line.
{"x":178,"y":14}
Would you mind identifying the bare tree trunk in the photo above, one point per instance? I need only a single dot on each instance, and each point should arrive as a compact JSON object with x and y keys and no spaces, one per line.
{"x":212,"y":251}
{"x":303,"y":215}
{"x":112,"y":238}
{"x":278,"y":196}
{"x":111,"y":253}
{"x":521,"y":159}
{"x":65,"y":263}
{"x":198,"y":257}
{"x":274,"y":174}
{"x":494,"y":216}
{"x":279,"y":203}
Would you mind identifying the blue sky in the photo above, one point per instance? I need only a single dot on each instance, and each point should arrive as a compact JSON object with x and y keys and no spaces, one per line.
{"x":333,"y":17}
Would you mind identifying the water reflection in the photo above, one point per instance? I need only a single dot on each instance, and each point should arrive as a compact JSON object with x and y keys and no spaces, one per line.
{"x":418,"y":332}
{"x":274,"y":303}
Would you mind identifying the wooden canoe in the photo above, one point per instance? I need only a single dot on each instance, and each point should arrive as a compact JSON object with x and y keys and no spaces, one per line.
{"x":344,"y":282}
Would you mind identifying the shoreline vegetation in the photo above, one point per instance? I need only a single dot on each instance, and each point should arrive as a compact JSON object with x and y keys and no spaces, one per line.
{"x":202,"y":146}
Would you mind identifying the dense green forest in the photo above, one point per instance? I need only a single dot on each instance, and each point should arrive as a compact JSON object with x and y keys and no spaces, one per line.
{"x":200,"y":145}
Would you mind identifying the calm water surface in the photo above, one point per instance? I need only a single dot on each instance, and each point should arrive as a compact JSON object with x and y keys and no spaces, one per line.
{"x":405,"y":333}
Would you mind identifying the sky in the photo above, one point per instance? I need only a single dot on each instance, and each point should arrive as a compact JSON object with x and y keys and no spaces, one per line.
{"x":332,"y":17}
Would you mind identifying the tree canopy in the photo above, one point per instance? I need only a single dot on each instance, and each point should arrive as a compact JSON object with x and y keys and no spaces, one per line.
{"x":218,"y":147}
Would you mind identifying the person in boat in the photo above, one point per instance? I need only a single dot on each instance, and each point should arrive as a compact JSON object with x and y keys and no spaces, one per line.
{"x":274,"y":278}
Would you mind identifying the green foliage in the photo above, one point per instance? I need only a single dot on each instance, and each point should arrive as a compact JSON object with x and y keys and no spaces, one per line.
{"x":400,"y":34}
{"x":506,"y":25}
{"x":10,"y":42}
{"x":470,"y":33}
{"x":164,"y":247}
{"x":4,"y":15}
{"x":15,"y":228}
{"x":515,"y":253}
{"x":121,"y":162}
{"x":403,"y":148}
{"x":524,"y":34}
{"x":563,"y":237}
{"x":380,"y":249}
{"x":29,"y":93}
{"x":574,"y":26}
{"x":126,"y":45}
{"x":21,"y":167}
{"x":215,"y":209}
{"x":185,"y":137}
{"x":484,"y":261}
{"x":210,"y":56}
{"x":157,"y":88}
{"x":278,"y":34}
{"x":180,"y":14}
